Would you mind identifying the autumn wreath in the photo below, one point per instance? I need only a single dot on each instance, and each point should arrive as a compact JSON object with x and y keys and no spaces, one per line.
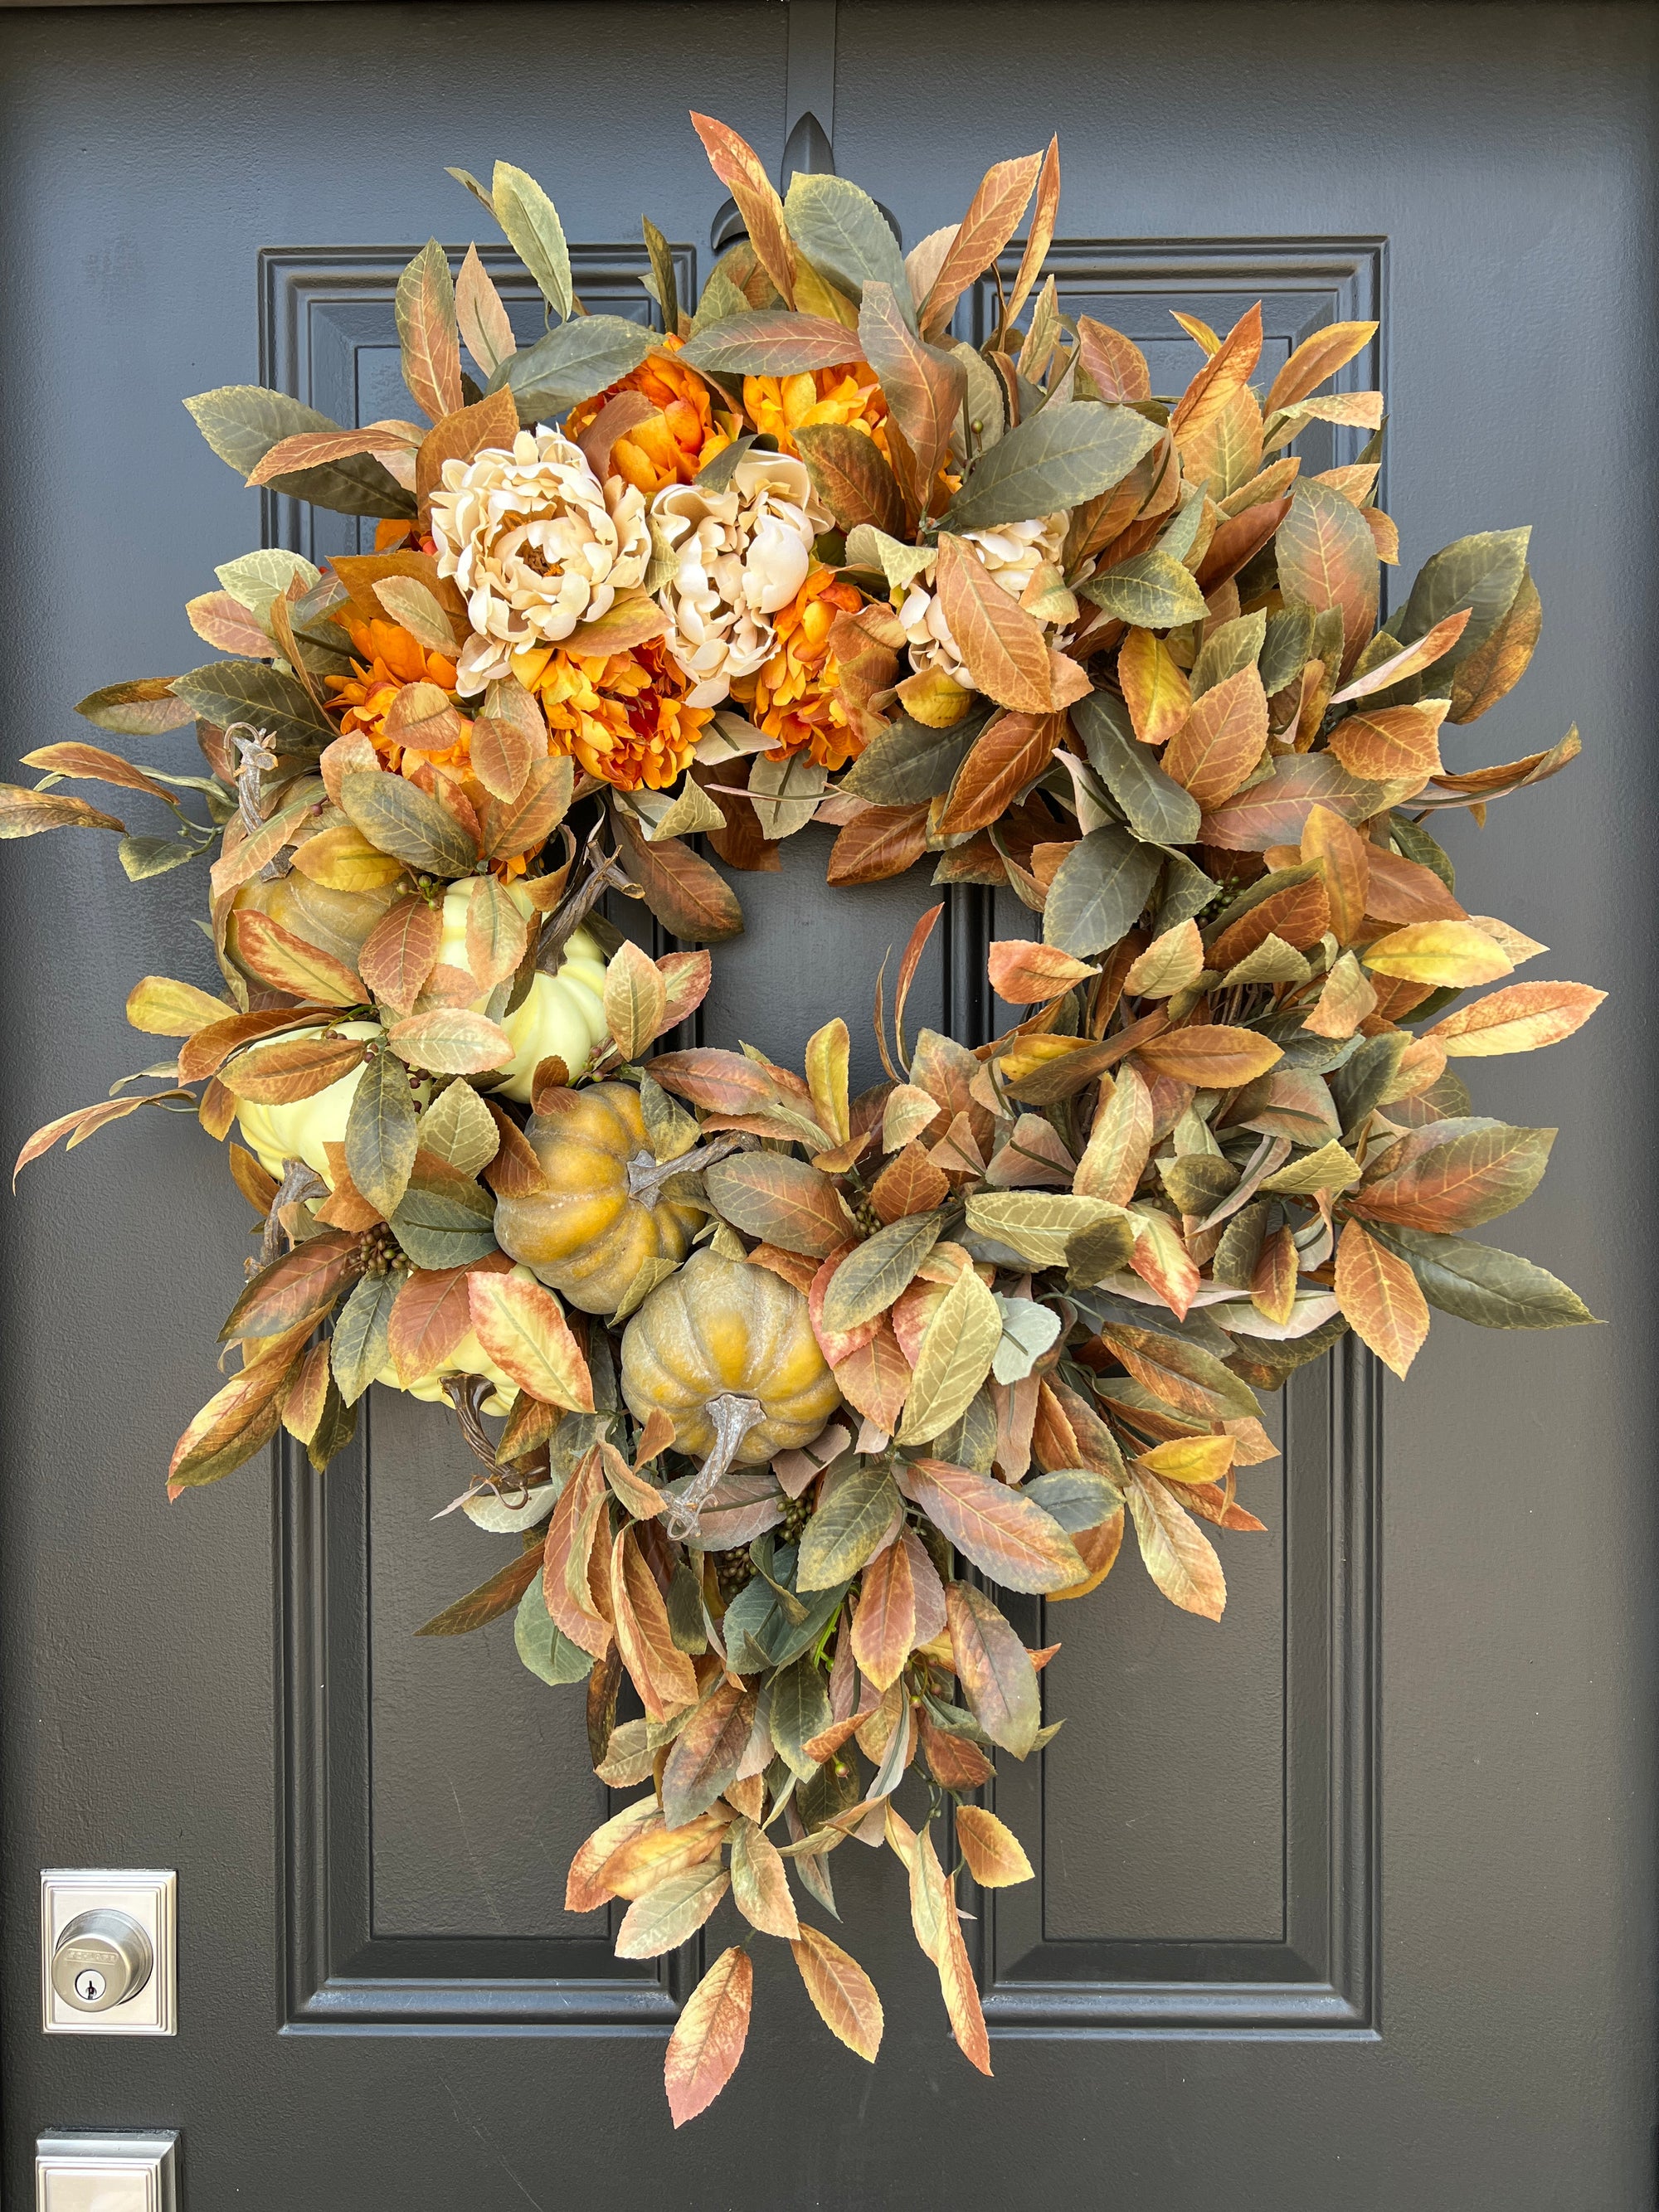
{"x":772,"y":1385}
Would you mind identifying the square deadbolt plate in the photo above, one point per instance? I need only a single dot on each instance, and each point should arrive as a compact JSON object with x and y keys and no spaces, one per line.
{"x":106,"y":2173}
{"x":149,"y":1897}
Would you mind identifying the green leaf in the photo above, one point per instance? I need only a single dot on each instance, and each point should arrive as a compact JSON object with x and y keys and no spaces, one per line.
{"x":254,"y":579}
{"x":381,"y":1136}
{"x":1041,"y":1225}
{"x":845,"y":237}
{"x":1482,"y":572}
{"x":335,"y":1426}
{"x":770,"y":343}
{"x":855,"y":1511}
{"x":1286,"y":647}
{"x":243,"y":422}
{"x":141,"y":709}
{"x":1098,"y":892}
{"x":956,"y":1349}
{"x":446,"y":1220}
{"x":798,"y":1711}
{"x":909,"y":761}
{"x":1076,"y":1497}
{"x":1230,"y":647}
{"x":542,"y":1644}
{"x":536,"y":235}
{"x":869,"y":1280}
{"x":1053,"y":460}
{"x":1152,"y":590}
{"x":399,"y":818}
{"x":662,"y":270}
{"x":571,"y":363}
{"x":360,"y":1348}
{"x":1156,"y":806}
{"x":1479,"y":1283}
{"x":143,"y":857}
{"x":227,"y":691}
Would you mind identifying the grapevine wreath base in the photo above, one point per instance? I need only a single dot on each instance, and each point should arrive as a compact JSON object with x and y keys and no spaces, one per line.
{"x":772,"y":1386}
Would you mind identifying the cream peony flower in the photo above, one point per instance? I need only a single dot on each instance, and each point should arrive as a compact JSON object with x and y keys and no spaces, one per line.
{"x":742,"y":555}
{"x":1013,"y":552}
{"x":537,"y":545}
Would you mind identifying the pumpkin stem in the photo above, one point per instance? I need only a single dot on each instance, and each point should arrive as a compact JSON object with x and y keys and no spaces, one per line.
{"x":646,"y":1176}
{"x":733,"y":1417}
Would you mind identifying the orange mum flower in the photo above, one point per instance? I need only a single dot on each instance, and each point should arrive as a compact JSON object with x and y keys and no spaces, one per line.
{"x":795,"y":698}
{"x":387,"y":659}
{"x":850,"y":394}
{"x":675,"y":445}
{"x":622,"y":716}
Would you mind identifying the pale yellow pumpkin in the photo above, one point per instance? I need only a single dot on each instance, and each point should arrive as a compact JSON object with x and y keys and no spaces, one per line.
{"x":562,"y":1016}
{"x":590,"y":1234}
{"x":723,"y":1330}
{"x":303,"y":1129}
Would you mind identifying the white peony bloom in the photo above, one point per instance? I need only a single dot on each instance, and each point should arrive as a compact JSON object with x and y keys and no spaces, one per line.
{"x":742,"y":555}
{"x":536,"y":545}
{"x":1013,"y":552}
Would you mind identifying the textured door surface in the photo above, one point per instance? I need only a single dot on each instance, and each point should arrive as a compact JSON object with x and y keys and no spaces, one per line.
{"x":1347,"y":1903}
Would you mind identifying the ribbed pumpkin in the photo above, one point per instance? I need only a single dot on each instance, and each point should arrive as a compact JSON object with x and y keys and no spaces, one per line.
{"x":563,"y":1014}
{"x":588,"y":1236}
{"x":722,"y":1328}
{"x":336,"y":922}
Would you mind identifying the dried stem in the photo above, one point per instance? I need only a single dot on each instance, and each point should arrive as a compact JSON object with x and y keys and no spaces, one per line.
{"x":733,"y":1417}
{"x":647,"y":1176}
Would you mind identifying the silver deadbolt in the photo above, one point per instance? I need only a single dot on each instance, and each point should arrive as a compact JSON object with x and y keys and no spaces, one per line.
{"x":100,"y":1960}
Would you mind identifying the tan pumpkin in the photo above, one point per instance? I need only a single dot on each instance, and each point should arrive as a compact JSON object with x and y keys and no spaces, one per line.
{"x":724,"y":1347}
{"x":590,"y":1234}
{"x":336,"y":922}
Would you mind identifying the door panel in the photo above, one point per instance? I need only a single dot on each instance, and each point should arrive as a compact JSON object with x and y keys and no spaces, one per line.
{"x":1347,"y":1903}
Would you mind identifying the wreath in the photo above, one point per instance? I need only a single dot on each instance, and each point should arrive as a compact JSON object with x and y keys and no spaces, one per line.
{"x":773,"y":1386}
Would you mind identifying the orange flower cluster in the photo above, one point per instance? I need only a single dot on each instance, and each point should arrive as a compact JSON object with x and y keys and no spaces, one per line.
{"x":387,"y":657}
{"x":795,"y":698}
{"x":671,"y":446}
{"x":781,"y":406}
{"x":623,"y":716}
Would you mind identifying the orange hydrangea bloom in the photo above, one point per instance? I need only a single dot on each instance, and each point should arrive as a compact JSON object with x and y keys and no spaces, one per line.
{"x":387,"y":657}
{"x":849,"y":393}
{"x":622,"y":716}
{"x":795,"y":698}
{"x":672,"y":448}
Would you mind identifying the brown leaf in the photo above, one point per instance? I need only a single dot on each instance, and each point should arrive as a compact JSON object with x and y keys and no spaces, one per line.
{"x":1328,"y":559}
{"x":1380,"y":1298}
{"x":1006,"y":1535}
{"x":492,"y":1598}
{"x":1009,"y":753}
{"x":760,"y":1882}
{"x":482,"y":319}
{"x":294,"y":1289}
{"x":723,"y":1082}
{"x":1344,"y":858}
{"x":660,"y":1672}
{"x":521,"y":1325}
{"x":709,"y":2035}
{"x":841,"y":1989}
{"x":741,"y":169}
{"x":1522,"y":1018}
{"x":1223,"y":737}
{"x":431,"y":1315}
{"x":1298,"y":915}
{"x":1115,"y":365}
{"x":428,"y":335}
{"x":451,"y":1041}
{"x":879,"y":842}
{"x":312,"y":447}
{"x":290,"y":963}
{"x":490,"y":423}
{"x":297,"y":1067}
{"x":909,"y":1184}
{"x":680,"y":888}
{"x":400,"y":952}
{"x":1005,"y":649}
{"x":706,"y":1754}
{"x":1391,"y":741}
{"x":993,"y":217}
{"x":955,"y":1977}
{"x":1216,"y":1057}
{"x":994,"y":1670}
{"x":851,"y":476}
{"x":1040,"y":235}
{"x":1226,"y":372}
{"x":924,"y":388}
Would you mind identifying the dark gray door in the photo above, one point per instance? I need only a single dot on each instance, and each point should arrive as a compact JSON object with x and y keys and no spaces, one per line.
{"x":1348,"y":1903}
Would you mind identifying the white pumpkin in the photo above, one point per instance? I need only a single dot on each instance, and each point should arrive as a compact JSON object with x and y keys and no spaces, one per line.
{"x":563,"y":1014}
